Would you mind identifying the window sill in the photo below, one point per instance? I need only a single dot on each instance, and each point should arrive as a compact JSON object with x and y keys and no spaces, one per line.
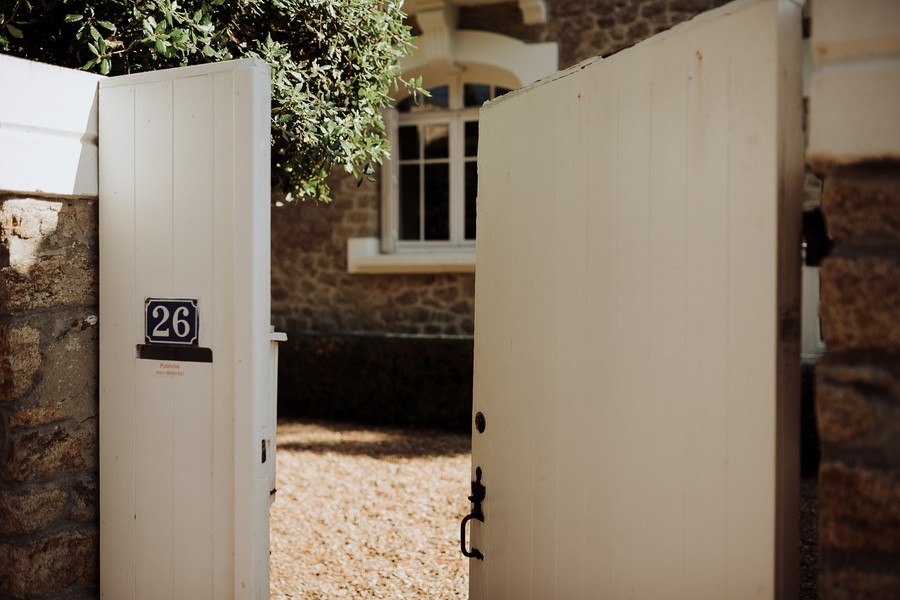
{"x":364,"y":257}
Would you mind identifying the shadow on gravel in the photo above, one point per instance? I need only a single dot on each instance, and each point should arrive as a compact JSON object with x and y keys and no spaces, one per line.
{"x":374,"y":442}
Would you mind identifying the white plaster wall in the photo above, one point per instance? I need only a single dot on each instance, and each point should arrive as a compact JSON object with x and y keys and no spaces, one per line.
{"x":855,"y":85}
{"x":48,"y":129}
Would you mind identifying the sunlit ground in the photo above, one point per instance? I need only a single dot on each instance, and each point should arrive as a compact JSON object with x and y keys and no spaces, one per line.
{"x":368,"y":513}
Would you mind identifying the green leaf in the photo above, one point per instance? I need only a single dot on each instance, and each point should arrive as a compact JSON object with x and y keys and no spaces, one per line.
{"x":14,"y":31}
{"x":334,"y":64}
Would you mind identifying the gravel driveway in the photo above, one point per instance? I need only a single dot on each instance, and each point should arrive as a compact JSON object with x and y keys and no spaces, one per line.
{"x":368,"y":513}
{"x":374,"y":513}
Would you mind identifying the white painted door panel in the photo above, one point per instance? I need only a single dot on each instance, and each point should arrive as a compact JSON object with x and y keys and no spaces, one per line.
{"x":184,"y":213}
{"x":637,"y":302}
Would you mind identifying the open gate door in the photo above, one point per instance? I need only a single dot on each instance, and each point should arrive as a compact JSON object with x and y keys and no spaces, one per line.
{"x":637,"y":320}
{"x":187,"y":419}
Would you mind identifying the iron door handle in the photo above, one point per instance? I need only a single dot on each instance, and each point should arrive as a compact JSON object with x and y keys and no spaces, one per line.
{"x":477,"y":497}
{"x":475,"y":552}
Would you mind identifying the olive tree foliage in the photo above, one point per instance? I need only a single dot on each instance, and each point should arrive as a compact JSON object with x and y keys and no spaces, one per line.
{"x":334,"y":64}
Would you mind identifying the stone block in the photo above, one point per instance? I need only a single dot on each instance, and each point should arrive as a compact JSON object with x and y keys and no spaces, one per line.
{"x":859,"y":509}
{"x":851,"y":584}
{"x":692,"y":6}
{"x":27,"y":511}
{"x":51,"y":250}
{"x":49,"y":564}
{"x":85,"y":500}
{"x":20,"y":359}
{"x":845,"y":29}
{"x":842,"y":412}
{"x":858,"y":400}
{"x":40,"y":453}
{"x":859,"y":302}
{"x":69,"y":381}
{"x":862,"y":203}
{"x":32,"y":417}
{"x":854,"y":113}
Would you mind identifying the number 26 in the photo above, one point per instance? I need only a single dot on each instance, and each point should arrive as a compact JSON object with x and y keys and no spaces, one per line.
{"x":179,"y":323}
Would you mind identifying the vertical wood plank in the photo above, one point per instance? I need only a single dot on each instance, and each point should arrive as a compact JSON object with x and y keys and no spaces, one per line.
{"x":568,"y":354}
{"x":664,"y":423}
{"x":223,"y":351}
{"x":706,"y":434}
{"x":494,"y":464}
{"x":601,"y":487}
{"x":634,"y":405}
{"x":250,"y":324}
{"x":542,"y":218}
{"x":791,"y":165}
{"x":193,"y":175}
{"x":154,"y":411}
{"x":752,"y":328}
{"x":518,"y":460}
{"x":117,"y":369}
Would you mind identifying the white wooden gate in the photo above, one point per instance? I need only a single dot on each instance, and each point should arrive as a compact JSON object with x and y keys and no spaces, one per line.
{"x":186,"y":432}
{"x":637,"y":320}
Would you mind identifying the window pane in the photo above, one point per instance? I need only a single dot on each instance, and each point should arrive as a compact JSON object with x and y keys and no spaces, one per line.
{"x":439,"y":100}
{"x":499,"y":91}
{"x":471,"y":195}
{"x":409,"y":142}
{"x":437,"y":202}
{"x":472,"y":138}
{"x":409,"y":202}
{"x":440,"y":97}
{"x":476,"y":94}
{"x":406,"y":105}
{"x":437,"y":141}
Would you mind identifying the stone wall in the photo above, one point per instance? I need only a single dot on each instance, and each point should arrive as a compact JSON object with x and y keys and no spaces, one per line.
{"x":313,"y":293}
{"x":49,"y":523}
{"x":855,"y":144}
{"x":584,"y":29}
{"x":858,"y":385}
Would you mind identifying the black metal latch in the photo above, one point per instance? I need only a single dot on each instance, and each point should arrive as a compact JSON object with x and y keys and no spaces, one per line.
{"x":477,"y":497}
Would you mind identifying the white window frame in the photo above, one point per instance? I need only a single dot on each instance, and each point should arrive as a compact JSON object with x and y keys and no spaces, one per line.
{"x":455,"y":121}
{"x":475,"y":57}
{"x":456,"y":116}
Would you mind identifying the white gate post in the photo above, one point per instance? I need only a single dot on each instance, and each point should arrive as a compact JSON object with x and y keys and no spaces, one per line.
{"x":186,"y":388}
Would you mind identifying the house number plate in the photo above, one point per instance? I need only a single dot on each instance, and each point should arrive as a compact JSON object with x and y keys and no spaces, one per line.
{"x":171,"y":321}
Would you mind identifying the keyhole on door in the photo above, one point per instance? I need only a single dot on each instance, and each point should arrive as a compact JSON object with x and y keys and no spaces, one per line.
{"x":480,"y":422}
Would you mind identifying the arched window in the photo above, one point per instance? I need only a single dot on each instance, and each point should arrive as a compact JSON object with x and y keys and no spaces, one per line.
{"x":429,"y":184}
{"x":437,"y":172}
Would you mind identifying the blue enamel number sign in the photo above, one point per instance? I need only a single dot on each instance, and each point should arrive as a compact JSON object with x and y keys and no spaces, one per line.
{"x":171,"y":321}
